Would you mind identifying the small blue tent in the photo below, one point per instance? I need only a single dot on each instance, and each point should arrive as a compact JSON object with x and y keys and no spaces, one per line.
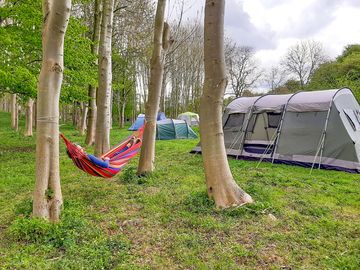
{"x":160,"y":116}
{"x":140,"y":120}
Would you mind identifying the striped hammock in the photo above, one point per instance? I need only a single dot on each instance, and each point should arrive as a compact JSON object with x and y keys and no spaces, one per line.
{"x":118,"y":156}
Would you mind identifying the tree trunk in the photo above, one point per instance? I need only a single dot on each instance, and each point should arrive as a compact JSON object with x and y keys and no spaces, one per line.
{"x":47,"y":195}
{"x":220,"y":183}
{"x":84,"y":112}
{"x":14,"y":112}
{"x":74,"y":112}
{"x":161,"y":44}
{"x":102,"y":134}
{"x":34,"y":114}
{"x":91,"y":125}
{"x":122,"y":116}
{"x":77,"y":115}
{"x":29,"y":118}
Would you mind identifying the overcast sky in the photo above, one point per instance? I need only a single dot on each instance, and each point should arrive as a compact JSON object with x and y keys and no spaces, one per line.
{"x":271,"y":26}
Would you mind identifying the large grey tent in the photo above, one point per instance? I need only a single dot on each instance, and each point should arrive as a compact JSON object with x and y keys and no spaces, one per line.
{"x":319,"y":129}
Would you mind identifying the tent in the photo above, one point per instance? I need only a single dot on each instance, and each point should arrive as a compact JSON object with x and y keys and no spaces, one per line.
{"x":140,"y":120}
{"x":170,"y":129}
{"x":192,"y":119}
{"x":317,"y":129}
{"x":161,"y":116}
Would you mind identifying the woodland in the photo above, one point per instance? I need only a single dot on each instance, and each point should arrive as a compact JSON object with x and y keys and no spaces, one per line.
{"x":86,"y":69}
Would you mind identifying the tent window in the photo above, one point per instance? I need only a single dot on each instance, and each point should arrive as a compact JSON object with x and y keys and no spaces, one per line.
{"x":357,"y":115}
{"x":273,"y":119}
{"x":353,"y":119}
{"x":234,"y":121}
{"x":252,"y":123}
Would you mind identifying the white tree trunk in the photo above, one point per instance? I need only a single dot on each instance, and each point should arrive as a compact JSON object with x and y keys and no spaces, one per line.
{"x":29,"y":118}
{"x":102,"y":134}
{"x":161,"y":44}
{"x":47,"y":195}
{"x":84,"y":112}
{"x":122,"y":116}
{"x":34,"y":114}
{"x":14,"y":112}
{"x":220,"y":183}
{"x":91,"y":125}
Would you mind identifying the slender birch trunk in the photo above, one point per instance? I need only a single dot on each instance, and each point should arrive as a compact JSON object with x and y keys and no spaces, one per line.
{"x":91,"y":125}
{"x":84,"y":112}
{"x":14,"y":112}
{"x":47,"y":195}
{"x":102,"y":134}
{"x":29,"y":118}
{"x":161,"y":44}
{"x":220,"y":183}
{"x":73,"y":115}
{"x":122,"y":116}
{"x":34,"y":114}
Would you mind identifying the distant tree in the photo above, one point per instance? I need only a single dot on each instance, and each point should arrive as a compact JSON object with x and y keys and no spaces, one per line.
{"x":161,"y":45}
{"x":274,"y":78}
{"x":344,"y":71}
{"x":242,"y":68}
{"x":123,"y":84}
{"x":348,"y":51}
{"x":47,"y":195}
{"x":290,"y":86}
{"x":20,"y":61}
{"x":302,"y":59}
{"x":219,"y":181}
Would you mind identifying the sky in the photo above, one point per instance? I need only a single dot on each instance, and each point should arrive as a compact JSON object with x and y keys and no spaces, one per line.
{"x":272,"y":26}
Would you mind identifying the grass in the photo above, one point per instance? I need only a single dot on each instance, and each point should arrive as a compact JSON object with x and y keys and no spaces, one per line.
{"x":166,"y":221}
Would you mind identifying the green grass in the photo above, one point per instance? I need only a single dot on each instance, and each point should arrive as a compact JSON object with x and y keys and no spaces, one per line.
{"x":166,"y":221}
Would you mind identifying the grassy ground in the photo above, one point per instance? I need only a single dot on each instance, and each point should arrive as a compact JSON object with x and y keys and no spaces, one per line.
{"x":166,"y":221}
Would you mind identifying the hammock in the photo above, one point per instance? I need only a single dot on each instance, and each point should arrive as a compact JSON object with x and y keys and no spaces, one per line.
{"x":118,"y":157}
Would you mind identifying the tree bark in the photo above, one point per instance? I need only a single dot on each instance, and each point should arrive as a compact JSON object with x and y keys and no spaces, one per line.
{"x":47,"y":195}
{"x":84,"y":112}
{"x":91,"y":125}
{"x":34,"y":114}
{"x":29,"y":118}
{"x":122,"y":116}
{"x":14,"y":113}
{"x":161,"y":44}
{"x":220,"y":183}
{"x":102,"y":134}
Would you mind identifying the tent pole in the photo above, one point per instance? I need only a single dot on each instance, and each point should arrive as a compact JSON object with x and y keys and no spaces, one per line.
{"x":172,"y":121}
{"x":187,"y":129}
{"x":281,"y":125}
{"x":325,"y":130}
{"x":317,"y":151}
{"x":278,"y":131}
{"x":244,"y":131}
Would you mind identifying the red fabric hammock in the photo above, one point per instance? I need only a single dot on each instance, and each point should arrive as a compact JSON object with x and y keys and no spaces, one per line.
{"x":118,"y":156}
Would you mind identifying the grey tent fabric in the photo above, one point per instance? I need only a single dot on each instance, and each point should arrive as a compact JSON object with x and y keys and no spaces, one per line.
{"x":319,"y":129}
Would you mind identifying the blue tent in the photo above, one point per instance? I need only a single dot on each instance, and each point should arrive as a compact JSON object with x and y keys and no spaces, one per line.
{"x":160,"y":116}
{"x":140,"y":120}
